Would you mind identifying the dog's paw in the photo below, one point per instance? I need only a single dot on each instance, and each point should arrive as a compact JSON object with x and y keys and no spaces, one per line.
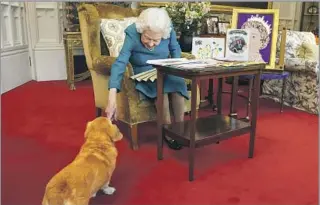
{"x":109,"y":190}
{"x":94,"y":195}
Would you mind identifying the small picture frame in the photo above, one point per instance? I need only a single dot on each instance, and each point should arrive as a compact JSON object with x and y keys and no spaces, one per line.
{"x":223,"y":27}
{"x":212,"y":24}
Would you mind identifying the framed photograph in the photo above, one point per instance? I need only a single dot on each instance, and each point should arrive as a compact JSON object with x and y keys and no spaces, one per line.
{"x":208,"y":47}
{"x":223,"y":27}
{"x":212,"y":24}
{"x":263,"y":24}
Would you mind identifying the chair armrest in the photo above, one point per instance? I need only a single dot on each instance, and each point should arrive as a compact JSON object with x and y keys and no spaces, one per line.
{"x":187,"y":56}
{"x":301,"y":64}
{"x":102,"y":65}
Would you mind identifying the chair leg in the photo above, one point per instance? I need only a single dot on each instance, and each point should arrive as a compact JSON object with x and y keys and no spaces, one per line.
{"x":98,"y":112}
{"x":133,"y":131}
{"x":282,"y":94}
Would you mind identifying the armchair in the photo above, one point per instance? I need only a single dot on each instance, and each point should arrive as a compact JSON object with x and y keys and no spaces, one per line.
{"x":302,"y":63}
{"x":130,"y":109}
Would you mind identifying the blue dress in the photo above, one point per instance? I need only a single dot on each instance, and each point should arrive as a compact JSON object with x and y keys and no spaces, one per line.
{"x":133,"y":51}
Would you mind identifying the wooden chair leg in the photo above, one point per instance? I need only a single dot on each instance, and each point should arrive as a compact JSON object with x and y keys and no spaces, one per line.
{"x":98,"y":112}
{"x":133,"y":131}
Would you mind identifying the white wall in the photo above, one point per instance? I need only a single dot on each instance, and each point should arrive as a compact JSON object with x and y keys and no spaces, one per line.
{"x":15,"y":69}
{"x":45,"y":20}
{"x":289,"y":14}
{"x":44,"y":30}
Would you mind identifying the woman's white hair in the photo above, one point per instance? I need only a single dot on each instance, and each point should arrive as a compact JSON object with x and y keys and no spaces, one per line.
{"x":156,"y":20}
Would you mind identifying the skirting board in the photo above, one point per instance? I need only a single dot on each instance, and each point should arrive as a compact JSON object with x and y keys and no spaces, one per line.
{"x":15,"y":70}
{"x":50,"y":65}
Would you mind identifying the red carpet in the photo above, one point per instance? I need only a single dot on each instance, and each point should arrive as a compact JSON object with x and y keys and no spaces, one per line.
{"x":43,"y":125}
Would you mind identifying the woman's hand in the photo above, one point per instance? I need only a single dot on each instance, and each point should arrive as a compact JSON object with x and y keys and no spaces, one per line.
{"x":111,"y":109}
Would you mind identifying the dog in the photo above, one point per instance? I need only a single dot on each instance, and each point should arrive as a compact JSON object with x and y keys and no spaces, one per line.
{"x":90,"y":171}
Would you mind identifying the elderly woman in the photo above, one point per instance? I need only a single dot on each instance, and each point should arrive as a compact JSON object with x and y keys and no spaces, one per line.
{"x":151,"y":37}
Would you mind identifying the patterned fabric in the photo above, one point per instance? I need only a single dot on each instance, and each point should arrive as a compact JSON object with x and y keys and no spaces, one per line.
{"x":309,"y":51}
{"x":294,"y":41}
{"x":113,"y":33}
{"x":301,"y":91}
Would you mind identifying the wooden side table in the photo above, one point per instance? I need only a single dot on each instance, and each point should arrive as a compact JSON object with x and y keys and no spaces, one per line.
{"x":195,"y":133}
{"x":72,"y":40}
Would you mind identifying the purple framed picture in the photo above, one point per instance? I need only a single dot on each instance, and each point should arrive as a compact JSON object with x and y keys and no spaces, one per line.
{"x":263,"y":25}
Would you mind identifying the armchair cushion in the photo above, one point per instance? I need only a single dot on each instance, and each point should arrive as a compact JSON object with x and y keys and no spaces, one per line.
{"x":308,"y":51}
{"x":294,"y":40}
{"x":113,"y":33}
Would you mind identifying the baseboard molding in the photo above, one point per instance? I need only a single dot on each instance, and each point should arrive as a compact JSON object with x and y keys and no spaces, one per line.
{"x":50,"y":64}
{"x":15,"y":70}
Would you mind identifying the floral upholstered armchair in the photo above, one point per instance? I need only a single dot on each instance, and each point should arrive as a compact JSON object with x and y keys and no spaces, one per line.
{"x":302,"y":61}
{"x":130,"y":109}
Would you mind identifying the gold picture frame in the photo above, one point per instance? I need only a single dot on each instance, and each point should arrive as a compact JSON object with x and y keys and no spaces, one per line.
{"x":271,"y":19}
{"x":213,"y":8}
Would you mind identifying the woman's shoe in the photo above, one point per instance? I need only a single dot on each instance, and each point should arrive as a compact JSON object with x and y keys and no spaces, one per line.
{"x":172,"y":144}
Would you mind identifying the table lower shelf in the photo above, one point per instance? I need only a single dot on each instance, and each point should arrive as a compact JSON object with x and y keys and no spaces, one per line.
{"x":208,"y":130}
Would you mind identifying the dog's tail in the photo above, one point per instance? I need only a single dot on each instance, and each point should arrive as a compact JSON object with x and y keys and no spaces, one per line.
{"x":57,"y":194}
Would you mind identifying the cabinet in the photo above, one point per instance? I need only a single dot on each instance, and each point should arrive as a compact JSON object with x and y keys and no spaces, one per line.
{"x":309,"y":16}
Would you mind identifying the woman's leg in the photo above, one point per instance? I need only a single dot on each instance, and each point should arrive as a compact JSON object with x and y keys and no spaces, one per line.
{"x":166,"y":110}
{"x":178,"y":106}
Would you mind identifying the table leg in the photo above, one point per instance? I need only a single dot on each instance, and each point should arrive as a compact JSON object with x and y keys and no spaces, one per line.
{"x":210,"y":92}
{"x":249,"y":98}
{"x":70,"y":65}
{"x":192,"y":146}
{"x":219,"y":96}
{"x":160,"y":114}
{"x":234,"y":93}
{"x":210,"y":95}
{"x":254,"y":110}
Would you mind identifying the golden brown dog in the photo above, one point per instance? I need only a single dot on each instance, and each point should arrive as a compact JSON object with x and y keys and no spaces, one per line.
{"x":90,"y":171}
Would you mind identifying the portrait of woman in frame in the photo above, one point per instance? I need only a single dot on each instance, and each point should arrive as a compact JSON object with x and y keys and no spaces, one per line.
{"x":263,"y":24}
